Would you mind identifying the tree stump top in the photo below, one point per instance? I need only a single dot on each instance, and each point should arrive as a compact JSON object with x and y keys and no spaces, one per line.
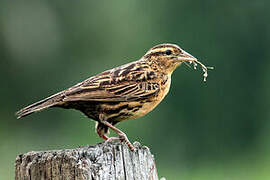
{"x":104,"y":161}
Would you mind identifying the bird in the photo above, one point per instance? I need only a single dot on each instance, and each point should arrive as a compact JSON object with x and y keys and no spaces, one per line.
{"x":123,"y":93}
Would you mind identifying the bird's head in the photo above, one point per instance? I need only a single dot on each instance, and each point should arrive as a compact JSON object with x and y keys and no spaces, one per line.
{"x":168,"y":56}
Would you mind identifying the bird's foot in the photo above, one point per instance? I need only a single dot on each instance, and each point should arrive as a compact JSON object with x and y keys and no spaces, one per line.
{"x":123,"y":138}
{"x":110,"y":139}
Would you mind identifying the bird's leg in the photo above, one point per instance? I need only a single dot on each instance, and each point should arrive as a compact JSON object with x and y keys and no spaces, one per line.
{"x":101,"y":131}
{"x":106,"y":138}
{"x":103,"y":136}
{"x":122,"y":135}
{"x":110,"y":139}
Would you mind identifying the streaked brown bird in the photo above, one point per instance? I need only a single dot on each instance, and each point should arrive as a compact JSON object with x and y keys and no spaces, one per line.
{"x":123,"y":93}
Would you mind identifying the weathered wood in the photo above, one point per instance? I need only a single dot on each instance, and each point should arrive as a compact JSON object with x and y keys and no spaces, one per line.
{"x":104,"y":161}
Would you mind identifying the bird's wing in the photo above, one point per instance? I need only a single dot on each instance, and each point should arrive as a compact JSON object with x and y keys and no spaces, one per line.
{"x":120,"y":84}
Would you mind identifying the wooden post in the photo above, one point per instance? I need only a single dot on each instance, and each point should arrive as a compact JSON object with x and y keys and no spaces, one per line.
{"x":104,"y":161}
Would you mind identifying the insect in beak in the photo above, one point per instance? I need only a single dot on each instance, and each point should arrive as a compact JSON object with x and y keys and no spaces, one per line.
{"x":186,"y":57}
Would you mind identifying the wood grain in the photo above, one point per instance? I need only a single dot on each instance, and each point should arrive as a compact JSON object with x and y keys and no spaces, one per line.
{"x":105,"y":161}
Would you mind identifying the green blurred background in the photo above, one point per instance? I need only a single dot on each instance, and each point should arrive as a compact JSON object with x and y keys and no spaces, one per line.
{"x":214,"y":130}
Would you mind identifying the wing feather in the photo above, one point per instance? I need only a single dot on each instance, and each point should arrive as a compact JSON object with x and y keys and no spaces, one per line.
{"x":125,"y":84}
{"x":127,"y":93}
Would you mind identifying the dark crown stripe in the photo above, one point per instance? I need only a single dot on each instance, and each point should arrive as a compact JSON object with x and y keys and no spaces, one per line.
{"x":165,"y":46}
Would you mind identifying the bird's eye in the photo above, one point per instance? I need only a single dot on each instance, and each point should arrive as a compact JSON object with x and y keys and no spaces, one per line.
{"x":168,"y":52}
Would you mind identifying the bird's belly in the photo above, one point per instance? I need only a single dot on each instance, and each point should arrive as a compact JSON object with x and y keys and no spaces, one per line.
{"x":146,"y":108}
{"x":130,"y":110}
{"x":135,"y":109}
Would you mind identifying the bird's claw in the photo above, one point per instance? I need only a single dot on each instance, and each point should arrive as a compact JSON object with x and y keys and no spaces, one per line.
{"x":110,"y":139}
{"x":123,"y":138}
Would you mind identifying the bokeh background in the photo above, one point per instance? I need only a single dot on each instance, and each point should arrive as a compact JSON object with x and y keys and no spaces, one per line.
{"x":214,"y":130}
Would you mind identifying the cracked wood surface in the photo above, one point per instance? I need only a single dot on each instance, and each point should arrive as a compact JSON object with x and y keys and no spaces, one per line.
{"x":104,"y":161}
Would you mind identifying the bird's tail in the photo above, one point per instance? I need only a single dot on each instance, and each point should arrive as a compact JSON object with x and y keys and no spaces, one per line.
{"x":40,"y":105}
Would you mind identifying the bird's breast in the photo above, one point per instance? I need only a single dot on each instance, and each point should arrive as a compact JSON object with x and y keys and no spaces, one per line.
{"x":135,"y":109}
{"x":149,"y":104}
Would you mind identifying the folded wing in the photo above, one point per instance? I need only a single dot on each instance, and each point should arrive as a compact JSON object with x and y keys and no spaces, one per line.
{"x":111,"y":87}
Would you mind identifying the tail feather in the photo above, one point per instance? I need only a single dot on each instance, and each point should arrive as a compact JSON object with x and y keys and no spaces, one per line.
{"x":40,"y":105}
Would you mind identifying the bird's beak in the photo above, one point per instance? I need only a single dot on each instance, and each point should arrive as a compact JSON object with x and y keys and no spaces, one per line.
{"x":184,"y":56}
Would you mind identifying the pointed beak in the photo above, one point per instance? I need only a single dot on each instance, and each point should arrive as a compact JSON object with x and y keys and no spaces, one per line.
{"x":184,"y":56}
